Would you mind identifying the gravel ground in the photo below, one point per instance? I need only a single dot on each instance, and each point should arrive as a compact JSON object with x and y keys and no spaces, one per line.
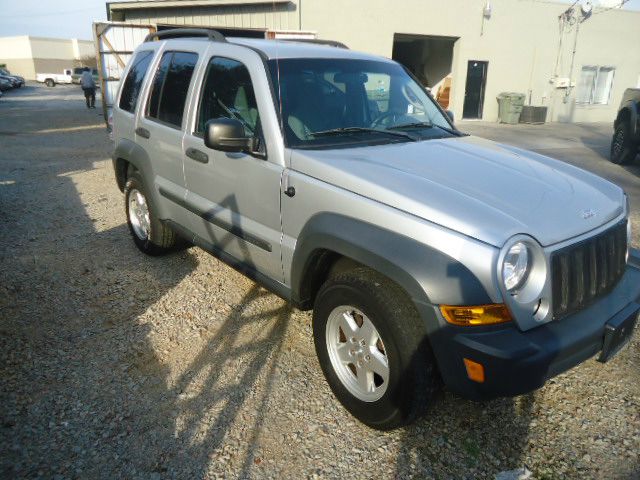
{"x":118,"y":365}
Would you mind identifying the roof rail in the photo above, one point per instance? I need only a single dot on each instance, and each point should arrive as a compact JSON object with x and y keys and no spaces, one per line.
{"x":211,"y":34}
{"x":318,"y":41}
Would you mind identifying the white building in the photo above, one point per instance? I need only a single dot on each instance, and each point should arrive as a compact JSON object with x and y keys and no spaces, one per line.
{"x":467,"y":51}
{"x":25,"y":55}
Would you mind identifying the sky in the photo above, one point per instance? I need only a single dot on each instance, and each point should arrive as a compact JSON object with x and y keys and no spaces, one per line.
{"x":73,"y":18}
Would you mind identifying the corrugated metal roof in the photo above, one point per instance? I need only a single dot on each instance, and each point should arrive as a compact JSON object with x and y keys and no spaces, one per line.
{"x":136,"y":4}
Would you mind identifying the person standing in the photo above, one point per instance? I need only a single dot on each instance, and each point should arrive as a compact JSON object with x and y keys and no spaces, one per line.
{"x":88,"y":87}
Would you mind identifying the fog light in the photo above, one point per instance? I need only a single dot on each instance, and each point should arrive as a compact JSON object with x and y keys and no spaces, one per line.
{"x":475,"y":370}
{"x":476,"y":315}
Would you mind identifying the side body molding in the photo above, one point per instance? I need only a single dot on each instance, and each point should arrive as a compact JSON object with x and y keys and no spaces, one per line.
{"x":426,"y":274}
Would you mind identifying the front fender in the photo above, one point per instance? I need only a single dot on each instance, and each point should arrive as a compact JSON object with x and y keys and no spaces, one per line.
{"x":425,"y":273}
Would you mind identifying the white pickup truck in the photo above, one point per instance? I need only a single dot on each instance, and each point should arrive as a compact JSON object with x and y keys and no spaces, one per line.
{"x":51,"y":79}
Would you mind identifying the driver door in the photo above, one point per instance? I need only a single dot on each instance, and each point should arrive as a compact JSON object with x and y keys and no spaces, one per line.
{"x":234,"y":198}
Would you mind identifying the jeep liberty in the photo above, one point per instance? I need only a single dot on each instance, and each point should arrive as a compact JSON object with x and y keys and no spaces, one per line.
{"x":333,"y":178}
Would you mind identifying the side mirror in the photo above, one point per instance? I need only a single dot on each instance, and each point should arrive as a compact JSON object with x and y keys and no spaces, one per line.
{"x":450,"y":115}
{"x":226,"y":134}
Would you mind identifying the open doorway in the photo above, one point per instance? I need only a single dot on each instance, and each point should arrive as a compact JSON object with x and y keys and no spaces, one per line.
{"x":474,"y":89}
{"x":430,"y":59}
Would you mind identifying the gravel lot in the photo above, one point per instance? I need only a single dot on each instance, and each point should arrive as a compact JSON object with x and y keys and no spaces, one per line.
{"x":117,"y":365}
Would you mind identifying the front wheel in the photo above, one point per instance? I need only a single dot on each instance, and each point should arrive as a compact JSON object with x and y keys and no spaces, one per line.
{"x":373,"y":349}
{"x":623,"y":150}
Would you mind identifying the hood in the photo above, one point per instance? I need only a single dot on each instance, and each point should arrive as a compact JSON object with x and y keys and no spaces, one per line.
{"x":482,"y":189}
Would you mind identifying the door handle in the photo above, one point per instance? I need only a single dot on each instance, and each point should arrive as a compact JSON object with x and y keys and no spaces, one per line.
{"x":143,"y":132}
{"x":197,"y":155}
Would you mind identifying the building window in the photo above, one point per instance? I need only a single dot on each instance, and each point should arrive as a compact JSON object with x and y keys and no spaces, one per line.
{"x":595,"y":84}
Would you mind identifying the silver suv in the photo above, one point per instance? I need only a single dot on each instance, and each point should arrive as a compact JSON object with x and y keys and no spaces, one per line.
{"x":332,"y":178}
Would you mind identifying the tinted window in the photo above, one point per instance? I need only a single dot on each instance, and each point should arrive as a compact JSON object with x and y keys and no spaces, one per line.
{"x":170,"y":86}
{"x":228,"y":93}
{"x":133,"y":82}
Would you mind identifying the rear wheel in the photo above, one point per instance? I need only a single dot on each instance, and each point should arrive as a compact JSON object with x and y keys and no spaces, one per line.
{"x":50,"y":83}
{"x":373,"y":349}
{"x":150,"y":235}
{"x":623,"y":149}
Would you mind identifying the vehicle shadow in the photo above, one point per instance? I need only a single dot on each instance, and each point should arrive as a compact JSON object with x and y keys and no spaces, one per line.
{"x":468,"y":434}
{"x":208,"y":403}
{"x":93,"y":384}
{"x":478,"y":439}
{"x":75,"y":301}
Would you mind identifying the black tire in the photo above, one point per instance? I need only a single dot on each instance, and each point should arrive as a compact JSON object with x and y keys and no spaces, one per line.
{"x":161,"y":239}
{"x":413,"y":375}
{"x":50,"y":83}
{"x":623,"y":150}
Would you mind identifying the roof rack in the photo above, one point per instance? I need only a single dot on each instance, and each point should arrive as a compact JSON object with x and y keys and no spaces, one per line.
{"x":211,"y":34}
{"x":318,"y":41}
{"x":216,"y":36}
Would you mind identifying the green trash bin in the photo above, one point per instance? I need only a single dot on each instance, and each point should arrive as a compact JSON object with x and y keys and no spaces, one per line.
{"x":510,"y":106}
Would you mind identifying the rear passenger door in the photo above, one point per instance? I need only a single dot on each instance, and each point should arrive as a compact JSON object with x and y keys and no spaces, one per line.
{"x":160,"y":126}
{"x":235,"y":197}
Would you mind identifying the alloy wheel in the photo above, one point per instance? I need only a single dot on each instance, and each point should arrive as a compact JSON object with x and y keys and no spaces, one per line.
{"x":357,"y":353}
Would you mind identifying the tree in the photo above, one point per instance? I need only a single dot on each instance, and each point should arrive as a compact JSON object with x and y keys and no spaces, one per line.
{"x":86,"y":61}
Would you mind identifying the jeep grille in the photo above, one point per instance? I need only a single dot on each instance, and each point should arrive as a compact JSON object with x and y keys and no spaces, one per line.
{"x":583,"y":272}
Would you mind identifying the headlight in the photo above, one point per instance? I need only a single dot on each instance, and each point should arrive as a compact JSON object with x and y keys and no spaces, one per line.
{"x":515,"y":266}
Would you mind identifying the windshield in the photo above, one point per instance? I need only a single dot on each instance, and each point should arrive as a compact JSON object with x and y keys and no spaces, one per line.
{"x":329,"y":102}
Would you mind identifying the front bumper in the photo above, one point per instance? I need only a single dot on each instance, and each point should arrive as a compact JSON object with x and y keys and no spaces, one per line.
{"x":517,"y":362}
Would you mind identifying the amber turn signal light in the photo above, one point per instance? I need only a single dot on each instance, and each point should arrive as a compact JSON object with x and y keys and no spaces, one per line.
{"x":476,"y":315}
{"x":475,"y":370}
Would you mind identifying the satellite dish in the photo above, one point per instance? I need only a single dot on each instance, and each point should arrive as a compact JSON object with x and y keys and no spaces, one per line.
{"x":586,"y":8}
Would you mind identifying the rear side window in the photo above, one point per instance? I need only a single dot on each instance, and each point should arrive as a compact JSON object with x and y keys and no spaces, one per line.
{"x":170,"y":87}
{"x":133,"y":82}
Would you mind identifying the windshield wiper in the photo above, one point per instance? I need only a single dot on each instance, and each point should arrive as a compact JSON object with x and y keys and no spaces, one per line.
{"x":428,"y":125}
{"x":412,"y":125}
{"x":340,"y":131}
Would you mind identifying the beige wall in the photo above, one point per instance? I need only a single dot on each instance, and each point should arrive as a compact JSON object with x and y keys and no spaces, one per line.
{"x":276,"y":17}
{"x":21,"y":66}
{"x":27,"y":56}
{"x":15,"y":47}
{"x":520,"y":41}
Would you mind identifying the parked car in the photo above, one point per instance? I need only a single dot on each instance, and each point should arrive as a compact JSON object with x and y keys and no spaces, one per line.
{"x":77,"y":74}
{"x":18,"y":80}
{"x":51,"y":79}
{"x":5,"y":84}
{"x":626,"y":136}
{"x":12,"y":81}
{"x":335,"y":180}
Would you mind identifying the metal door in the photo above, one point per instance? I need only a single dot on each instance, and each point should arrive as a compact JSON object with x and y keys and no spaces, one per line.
{"x":474,"y":89}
